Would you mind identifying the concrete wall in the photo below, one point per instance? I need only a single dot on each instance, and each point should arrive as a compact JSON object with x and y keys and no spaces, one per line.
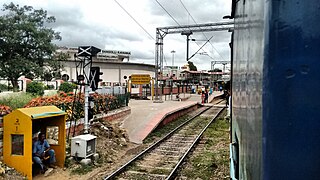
{"x":112,"y":71}
{"x":112,"y":116}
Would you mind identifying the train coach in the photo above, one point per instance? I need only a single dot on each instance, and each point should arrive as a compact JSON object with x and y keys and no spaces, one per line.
{"x":275,"y":128}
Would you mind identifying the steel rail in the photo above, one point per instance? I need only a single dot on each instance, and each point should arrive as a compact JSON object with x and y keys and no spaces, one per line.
{"x":122,"y":168}
{"x":173,"y":172}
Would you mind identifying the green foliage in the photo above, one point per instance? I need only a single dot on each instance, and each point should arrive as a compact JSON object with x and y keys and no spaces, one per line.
{"x":47,"y":76}
{"x":3,"y":87}
{"x":35,"y":88}
{"x":162,"y":131}
{"x":67,"y":163}
{"x":16,"y":100}
{"x":26,"y":43}
{"x":192,"y":67}
{"x":67,"y":87}
{"x":49,"y":87}
{"x":213,"y":160}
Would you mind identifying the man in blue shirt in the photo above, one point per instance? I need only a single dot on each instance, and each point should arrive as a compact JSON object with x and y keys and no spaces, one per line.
{"x":41,"y":150}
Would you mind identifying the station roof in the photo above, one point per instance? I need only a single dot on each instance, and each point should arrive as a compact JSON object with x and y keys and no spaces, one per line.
{"x":194,"y":72}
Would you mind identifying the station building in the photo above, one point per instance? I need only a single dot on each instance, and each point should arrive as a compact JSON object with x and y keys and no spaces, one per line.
{"x":113,"y":63}
{"x":202,"y":77}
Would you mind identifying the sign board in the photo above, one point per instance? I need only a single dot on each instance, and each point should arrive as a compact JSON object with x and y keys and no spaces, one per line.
{"x":140,"y":78}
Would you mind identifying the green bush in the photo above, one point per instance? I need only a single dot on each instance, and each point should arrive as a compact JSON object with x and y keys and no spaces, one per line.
{"x":16,"y":100}
{"x":49,"y":87}
{"x":67,"y":87}
{"x":35,"y":88}
{"x":3,"y":87}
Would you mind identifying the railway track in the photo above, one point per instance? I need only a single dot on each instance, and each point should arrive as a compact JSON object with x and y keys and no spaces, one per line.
{"x":162,"y":159}
{"x":209,"y":159}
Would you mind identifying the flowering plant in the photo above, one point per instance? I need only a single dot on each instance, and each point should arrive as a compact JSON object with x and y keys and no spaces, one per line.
{"x":74,"y":104}
{"x":4,"y":110}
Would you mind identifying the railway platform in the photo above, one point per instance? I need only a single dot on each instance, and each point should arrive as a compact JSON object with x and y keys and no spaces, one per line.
{"x":146,"y":115}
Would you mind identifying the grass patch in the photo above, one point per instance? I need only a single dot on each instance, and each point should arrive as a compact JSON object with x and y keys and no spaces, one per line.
{"x":160,"y":171}
{"x":213,"y":160}
{"x":16,"y":100}
{"x":135,"y":167}
{"x":202,"y":166}
{"x":159,"y":132}
{"x":82,"y":169}
{"x":135,"y":176}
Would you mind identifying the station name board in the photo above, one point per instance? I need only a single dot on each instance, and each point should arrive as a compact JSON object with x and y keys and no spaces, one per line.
{"x":140,"y":78}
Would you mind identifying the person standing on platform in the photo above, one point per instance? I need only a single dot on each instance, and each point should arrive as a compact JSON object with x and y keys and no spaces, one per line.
{"x":202,"y":97}
{"x":226,"y":96}
{"x":206,"y":96}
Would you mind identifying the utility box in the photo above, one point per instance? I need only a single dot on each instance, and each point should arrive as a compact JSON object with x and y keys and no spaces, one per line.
{"x":83,"y":146}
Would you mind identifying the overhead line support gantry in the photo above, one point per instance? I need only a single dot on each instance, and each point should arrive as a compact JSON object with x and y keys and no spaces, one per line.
{"x":187,"y":30}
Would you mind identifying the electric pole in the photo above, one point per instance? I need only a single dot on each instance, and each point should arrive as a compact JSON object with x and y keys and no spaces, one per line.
{"x":187,"y":33}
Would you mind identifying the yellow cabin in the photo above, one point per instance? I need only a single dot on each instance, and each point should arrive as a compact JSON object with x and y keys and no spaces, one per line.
{"x":18,"y":129}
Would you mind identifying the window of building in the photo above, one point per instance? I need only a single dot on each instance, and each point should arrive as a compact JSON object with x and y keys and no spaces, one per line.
{"x":65,"y":77}
{"x":17,"y":143}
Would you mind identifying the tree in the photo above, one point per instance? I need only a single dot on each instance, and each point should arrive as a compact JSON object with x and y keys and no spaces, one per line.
{"x":217,"y":70}
{"x":192,"y":67}
{"x":26,"y":46}
{"x":55,"y":68}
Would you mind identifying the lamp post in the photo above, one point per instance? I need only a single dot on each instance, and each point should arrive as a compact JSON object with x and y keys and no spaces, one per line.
{"x":173,"y":51}
{"x":126,"y":91}
{"x":171,"y":78}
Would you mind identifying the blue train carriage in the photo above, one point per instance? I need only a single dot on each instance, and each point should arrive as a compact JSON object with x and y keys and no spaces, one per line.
{"x":275,"y":90}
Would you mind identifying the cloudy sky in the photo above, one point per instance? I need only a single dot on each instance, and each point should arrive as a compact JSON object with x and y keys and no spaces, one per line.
{"x":104,"y":24}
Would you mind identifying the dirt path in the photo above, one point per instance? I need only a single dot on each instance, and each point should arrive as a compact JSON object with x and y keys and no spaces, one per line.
{"x":121,"y":157}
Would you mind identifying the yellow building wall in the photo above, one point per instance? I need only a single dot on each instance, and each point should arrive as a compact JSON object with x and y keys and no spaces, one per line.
{"x":20,"y":124}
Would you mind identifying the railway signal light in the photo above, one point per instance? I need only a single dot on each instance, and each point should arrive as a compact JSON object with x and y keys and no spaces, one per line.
{"x":95,"y":74}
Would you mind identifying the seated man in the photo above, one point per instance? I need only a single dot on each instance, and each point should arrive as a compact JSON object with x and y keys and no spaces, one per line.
{"x":41,"y":150}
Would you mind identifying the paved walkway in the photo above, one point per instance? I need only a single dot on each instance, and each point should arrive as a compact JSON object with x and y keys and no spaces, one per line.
{"x":146,"y":115}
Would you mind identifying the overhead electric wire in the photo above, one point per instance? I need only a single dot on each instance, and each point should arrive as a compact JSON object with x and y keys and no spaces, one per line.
{"x":171,"y":18}
{"x":135,"y":20}
{"x":200,"y":48}
{"x":200,"y":28}
{"x":180,"y":25}
{"x":167,"y":12}
{"x":187,"y":11}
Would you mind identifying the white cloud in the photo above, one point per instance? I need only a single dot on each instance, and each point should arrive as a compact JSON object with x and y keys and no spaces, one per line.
{"x":105,"y":25}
